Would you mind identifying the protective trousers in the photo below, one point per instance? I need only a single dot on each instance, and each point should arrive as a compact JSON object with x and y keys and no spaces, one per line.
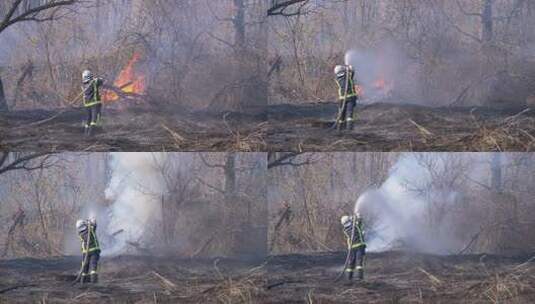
{"x":347,"y":112}
{"x":93,"y":115}
{"x":356,"y":263}
{"x":90,"y":268}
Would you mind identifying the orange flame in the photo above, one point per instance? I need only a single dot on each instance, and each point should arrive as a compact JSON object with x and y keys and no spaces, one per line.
{"x":129,"y":81}
{"x":380,"y":84}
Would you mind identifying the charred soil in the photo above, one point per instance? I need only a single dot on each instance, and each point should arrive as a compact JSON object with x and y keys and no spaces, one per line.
{"x":132,"y":279}
{"x":134,"y":129}
{"x":394,"y":127}
{"x":397,"y":277}
{"x":400,"y":277}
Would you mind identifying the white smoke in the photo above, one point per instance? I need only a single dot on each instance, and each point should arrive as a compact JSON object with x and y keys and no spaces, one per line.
{"x":382,"y":72}
{"x":400,"y":216}
{"x":135,"y":190}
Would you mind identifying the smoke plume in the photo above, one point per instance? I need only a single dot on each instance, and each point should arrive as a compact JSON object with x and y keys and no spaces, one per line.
{"x":381,"y":72}
{"x":400,"y":215}
{"x":135,"y":189}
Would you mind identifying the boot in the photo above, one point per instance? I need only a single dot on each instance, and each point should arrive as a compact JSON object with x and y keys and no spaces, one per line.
{"x":360,"y":274}
{"x":94,"y":278}
{"x":349,"y":124}
{"x":340,"y":125}
{"x":348,"y":278}
{"x":84,"y":279}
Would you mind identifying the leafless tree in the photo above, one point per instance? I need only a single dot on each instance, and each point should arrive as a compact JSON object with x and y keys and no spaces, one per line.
{"x":10,"y":161}
{"x":18,"y":11}
{"x":37,"y":11}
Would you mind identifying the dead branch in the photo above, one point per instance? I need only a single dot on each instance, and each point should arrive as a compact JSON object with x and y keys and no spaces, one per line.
{"x":10,"y":161}
{"x":203,"y":246}
{"x":288,"y":159}
{"x":31,"y":14}
{"x":280,"y":7}
{"x":18,"y":220}
{"x":423,"y":130}
{"x":167,"y":283}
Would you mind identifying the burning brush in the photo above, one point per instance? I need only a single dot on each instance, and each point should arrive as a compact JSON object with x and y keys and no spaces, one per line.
{"x":129,"y":82}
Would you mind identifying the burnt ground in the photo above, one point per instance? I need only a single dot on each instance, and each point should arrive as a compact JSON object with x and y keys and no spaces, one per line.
{"x":133,"y":129}
{"x":391,"y":277}
{"x":397,"y":277}
{"x":131,"y":279}
{"x":395,"y":127}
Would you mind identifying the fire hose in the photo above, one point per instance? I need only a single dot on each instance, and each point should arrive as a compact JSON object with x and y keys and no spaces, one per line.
{"x":40,"y":122}
{"x":86,"y":257}
{"x":69,"y":104}
{"x":348,"y":255}
{"x":344,"y":102}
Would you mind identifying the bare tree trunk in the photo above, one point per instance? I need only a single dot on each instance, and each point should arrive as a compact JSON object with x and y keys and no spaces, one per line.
{"x":3,"y":102}
{"x":496,"y":175}
{"x":42,"y":221}
{"x":232,"y":207}
{"x":239,"y":25}
{"x":487,"y":21}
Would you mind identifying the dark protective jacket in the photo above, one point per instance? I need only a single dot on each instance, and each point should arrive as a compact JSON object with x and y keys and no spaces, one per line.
{"x":358,"y":237}
{"x":91,"y":232}
{"x":341,"y":82}
{"x":92,"y":92}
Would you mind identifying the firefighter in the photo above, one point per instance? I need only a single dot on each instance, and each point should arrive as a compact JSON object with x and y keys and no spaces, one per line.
{"x":92,"y":101}
{"x":87,"y":231}
{"x":356,"y":247}
{"x":347,"y":95}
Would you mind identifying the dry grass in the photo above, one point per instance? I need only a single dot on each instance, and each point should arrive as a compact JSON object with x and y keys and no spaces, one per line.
{"x":397,"y":127}
{"x":509,"y":285}
{"x":241,"y":289}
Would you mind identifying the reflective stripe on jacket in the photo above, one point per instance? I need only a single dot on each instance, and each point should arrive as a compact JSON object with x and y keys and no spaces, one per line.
{"x":341,"y":82}
{"x":91,"y":92}
{"x":93,"y":241}
{"x":358,"y":238}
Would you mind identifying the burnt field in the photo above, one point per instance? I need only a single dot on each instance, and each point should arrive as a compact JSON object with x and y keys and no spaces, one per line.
{"x":131,"y":279}
{"x":133,"y":129}
{"x":391,"y":277}
{"x":389,"y":127}
{"x":397,"y":277}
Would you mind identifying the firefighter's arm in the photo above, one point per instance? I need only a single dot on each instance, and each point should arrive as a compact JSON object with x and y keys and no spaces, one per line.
{"x":93,"y":226}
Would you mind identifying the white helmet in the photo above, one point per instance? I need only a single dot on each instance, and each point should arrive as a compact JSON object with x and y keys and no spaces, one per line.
{"x":87,"y":76}
{"x":81,"y":225}
{"x":345,"y":220}
{"x":339,"y":69}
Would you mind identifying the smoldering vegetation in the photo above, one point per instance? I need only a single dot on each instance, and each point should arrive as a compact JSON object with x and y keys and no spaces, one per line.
{"x":394,"y":127}
{"x":216,"y":227}
{"x":432,"y":75}
{"x":173,"y":227}
{"x":434,"y":53}
{"x":189,"y":205}
{"x":440,"y":227}
{"x":190,"y":54}
{"x":442,"y":203}
{"x":178,"y":73}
